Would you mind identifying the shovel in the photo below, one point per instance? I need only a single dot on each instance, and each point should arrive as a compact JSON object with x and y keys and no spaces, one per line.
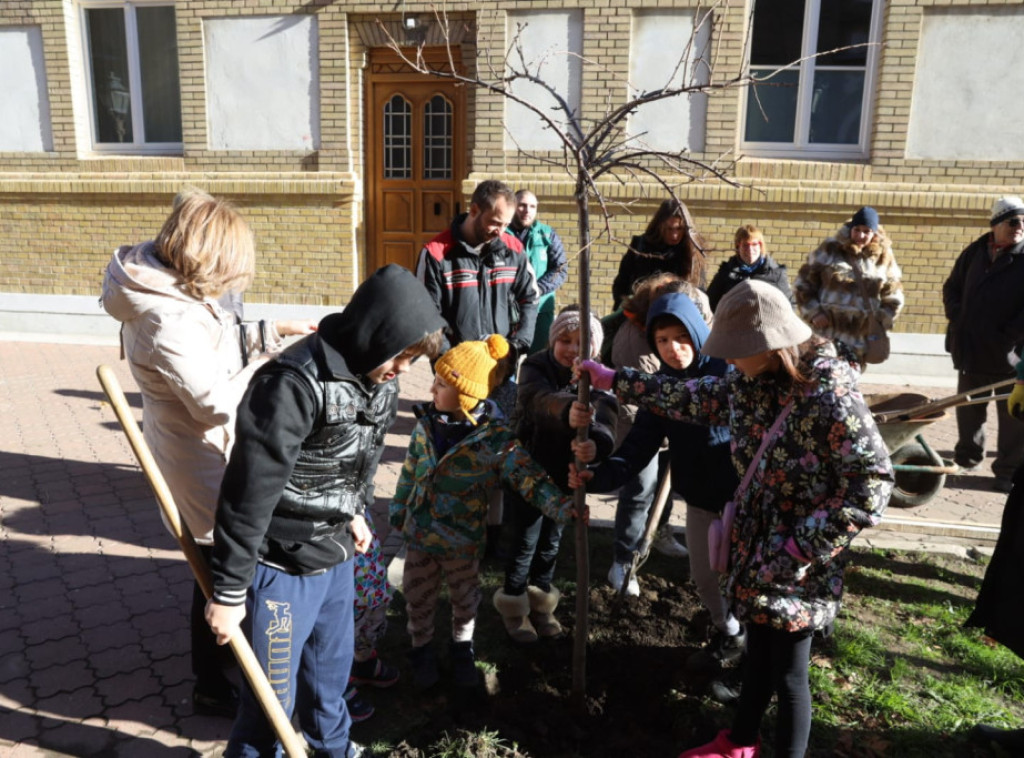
{"x":643,"y":550}
{"x":293,"y":745}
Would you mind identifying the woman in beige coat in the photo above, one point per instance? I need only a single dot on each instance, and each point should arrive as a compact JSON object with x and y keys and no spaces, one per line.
{"x":192,"y":362}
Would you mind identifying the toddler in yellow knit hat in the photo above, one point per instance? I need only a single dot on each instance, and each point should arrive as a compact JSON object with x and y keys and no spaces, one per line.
{"x":460,"y":451}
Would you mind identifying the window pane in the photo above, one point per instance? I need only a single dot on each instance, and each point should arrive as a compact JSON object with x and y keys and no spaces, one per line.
{"x":109,"y":58}
{"x":778,"y":32}
{"x":836,"y":104}
{"x":843,"y":23}
{"x":771,"y":108}
{"x":437,"y":139}
{"x":397,"y":138}
{"x":158,"y":56}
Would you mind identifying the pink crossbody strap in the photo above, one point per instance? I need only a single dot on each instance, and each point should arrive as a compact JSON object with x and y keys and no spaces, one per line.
{"x":765,"y":442}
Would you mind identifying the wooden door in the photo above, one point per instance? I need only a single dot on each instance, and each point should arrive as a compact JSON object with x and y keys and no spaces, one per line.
{"x":415,"y":159}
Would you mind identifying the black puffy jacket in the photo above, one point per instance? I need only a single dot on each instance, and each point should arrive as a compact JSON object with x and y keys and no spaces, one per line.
{"x":731,"y":273}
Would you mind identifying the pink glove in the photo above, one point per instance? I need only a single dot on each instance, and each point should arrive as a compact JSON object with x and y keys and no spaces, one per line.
{"x":601,"y":377}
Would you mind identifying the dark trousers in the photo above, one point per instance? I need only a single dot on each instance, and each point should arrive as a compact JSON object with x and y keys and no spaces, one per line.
{"x":777,"y":663}
{"x":210,"y":661}
{"x":970,"y":423}
{"x":535,"y":541}
{"x":301,"y":631}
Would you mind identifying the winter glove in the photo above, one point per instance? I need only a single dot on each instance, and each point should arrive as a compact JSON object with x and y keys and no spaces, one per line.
{"x":601,"y":377}
{"x":1015,"y":403}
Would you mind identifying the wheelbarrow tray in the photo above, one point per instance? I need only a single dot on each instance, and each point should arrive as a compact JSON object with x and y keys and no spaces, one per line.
{"x":889,"y":411}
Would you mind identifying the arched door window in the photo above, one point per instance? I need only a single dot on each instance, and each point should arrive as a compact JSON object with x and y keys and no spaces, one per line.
{"x":437,"y":138}
{"x":397,"y":138}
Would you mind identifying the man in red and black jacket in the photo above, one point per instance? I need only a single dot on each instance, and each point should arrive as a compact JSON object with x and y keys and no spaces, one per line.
{"x":479,"y":276}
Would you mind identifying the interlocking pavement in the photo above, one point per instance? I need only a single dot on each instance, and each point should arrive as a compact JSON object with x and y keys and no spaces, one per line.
{"x":94,"y":593}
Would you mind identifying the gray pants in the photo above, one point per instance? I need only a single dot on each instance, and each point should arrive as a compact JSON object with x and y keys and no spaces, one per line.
{"x":970,"y":422}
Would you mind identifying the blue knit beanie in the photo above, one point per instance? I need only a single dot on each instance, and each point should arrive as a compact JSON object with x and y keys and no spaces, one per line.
{"x":866,"y":216}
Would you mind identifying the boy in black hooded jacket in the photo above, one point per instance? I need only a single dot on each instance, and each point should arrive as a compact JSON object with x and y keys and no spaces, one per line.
{"x":310,"y":433}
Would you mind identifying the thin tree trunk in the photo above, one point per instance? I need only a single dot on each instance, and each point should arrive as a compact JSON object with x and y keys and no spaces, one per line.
{"x":582,"y":630}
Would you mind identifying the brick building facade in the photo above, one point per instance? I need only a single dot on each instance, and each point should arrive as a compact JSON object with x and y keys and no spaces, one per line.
{"x":278,"y":104}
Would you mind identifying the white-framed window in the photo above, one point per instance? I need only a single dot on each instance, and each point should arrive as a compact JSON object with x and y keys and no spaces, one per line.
{"x":819,"y":108}
{"x":131,"y":65}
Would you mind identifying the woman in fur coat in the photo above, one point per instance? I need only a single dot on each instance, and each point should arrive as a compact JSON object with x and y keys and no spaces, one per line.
{"x":836,"y":302}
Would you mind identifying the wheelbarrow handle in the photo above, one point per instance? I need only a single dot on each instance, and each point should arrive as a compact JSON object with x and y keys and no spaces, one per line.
{"x":932,"y":406}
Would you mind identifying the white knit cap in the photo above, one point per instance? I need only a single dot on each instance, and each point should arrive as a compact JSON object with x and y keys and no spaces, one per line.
{"x":1004,"y":207}
{"x":569,"y":321}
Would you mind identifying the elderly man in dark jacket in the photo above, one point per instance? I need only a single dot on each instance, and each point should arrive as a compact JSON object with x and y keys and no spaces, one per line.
{"x":983,"y":303}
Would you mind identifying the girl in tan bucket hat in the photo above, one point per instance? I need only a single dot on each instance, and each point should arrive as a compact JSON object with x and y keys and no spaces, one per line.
{"x":816,"y":473}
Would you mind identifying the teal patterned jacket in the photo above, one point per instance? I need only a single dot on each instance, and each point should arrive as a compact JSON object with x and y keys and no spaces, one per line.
{"x":826,"y":477}
{"x":440,"y":504}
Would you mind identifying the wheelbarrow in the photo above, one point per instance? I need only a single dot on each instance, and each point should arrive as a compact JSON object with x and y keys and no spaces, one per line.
{"x":901,"y":418}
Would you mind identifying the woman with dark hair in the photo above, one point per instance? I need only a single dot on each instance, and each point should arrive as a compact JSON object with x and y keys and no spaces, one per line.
{"x":670,"y":244}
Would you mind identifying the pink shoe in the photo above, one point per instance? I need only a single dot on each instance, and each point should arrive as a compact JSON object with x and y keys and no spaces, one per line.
{"x":722,"y":747}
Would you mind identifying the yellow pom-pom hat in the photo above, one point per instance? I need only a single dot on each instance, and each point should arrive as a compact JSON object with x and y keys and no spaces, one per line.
{"x":473,"y":368}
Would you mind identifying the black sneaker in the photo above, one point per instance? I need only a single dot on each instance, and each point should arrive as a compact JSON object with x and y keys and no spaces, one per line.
{"x":358,"y":709}
{"x":424,"y":666}
{"x":373,"y":672}
{"x":222,"y":703}
{"x":463,"y":664}
{"x":722,"y":649}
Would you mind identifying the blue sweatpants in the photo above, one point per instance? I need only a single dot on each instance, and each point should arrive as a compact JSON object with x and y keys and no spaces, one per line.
{"x":301,"y":631}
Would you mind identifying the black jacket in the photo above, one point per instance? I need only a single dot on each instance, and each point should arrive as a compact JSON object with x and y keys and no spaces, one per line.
{"x":700,"y":458}
{"x":731,"y":273}
{"x":649,"y":259}
{"x":984,"y":305}
{"x":309,"y":436}
{"x":545,"y":394}
{"x":481,"y":293}
{"x":1000,"y":606}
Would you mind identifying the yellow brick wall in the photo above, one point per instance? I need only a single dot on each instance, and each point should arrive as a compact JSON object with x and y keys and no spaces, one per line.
{"x":308,"y":209}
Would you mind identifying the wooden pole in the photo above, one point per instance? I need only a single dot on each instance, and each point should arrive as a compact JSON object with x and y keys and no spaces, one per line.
{"x":293,"y":744}
{"x":582,"y":629}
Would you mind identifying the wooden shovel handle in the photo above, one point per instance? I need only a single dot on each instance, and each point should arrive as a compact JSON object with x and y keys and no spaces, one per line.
{"x":293,"y":744}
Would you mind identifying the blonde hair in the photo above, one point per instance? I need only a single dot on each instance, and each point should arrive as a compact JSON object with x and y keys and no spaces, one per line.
{"x":749,"y":232}
{"x":209,"y":243}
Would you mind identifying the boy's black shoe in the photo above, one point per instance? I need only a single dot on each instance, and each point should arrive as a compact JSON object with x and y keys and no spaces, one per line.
{"x":424,"y":666}
{"x":358,"y":709}
{"x":463,"y":664}
{"x":373,"y":672}
{"x":722,"y":649}
{"x":222,"y":703}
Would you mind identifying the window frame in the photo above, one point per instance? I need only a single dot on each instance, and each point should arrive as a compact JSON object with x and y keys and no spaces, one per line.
{"x":135,"y":147}
{"x":801,"y":147}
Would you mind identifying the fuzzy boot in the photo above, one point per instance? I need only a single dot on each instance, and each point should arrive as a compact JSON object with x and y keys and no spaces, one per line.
{"x":542,"y":611}
{"x":515,"y":612}
{"x":722,"y":747}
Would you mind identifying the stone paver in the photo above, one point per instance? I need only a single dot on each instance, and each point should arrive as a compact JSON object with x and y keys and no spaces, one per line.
{"x":94,"y":653}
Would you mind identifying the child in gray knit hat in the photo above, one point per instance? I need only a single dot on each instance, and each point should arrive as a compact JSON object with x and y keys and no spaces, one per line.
{"x":546,"y":422}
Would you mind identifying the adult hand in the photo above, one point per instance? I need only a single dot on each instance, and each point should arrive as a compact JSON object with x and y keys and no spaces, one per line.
{"x":580,"y":415}
{"x":289,"y":328}
{"x":601,"y":377}
{"x":361,"y":534}
{"x":224,"y":620}
{"x":1015,"y":402}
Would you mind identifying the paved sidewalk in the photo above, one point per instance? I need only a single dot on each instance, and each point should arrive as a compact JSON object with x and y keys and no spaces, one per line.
{"x":94,"y":630}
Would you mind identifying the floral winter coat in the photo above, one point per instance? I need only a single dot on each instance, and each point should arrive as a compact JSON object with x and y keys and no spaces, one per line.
{"x":827,"y":284}
{"x":440,"y":503}
{"x":826,"y":477}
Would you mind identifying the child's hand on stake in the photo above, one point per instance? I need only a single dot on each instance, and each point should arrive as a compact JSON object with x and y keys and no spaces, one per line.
{"x":601,"y":377}
{"x":361,"y":534}
{"x":585,"y":518}
{"x":585,"y":450}
{"x":578,"y":478}
{"x":580,"y":415}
